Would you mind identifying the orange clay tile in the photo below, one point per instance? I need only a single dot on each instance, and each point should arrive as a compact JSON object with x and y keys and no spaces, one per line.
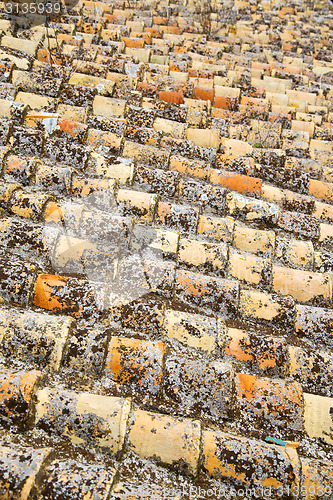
{"x":171,"y":96}
{"x":269,"y":403}
{"x":20,"y":468}
{"x":237,"y":182}
{"x":53,"y":212}
{"x":72,"y":296}
{"x":147,"y":136}
{"x":204,"y":94}
{"x":29,"y":205}
{"x":97,"y":138}
{"x":178,"y":216}
{"x":68,"y":214}
{"x":317,"y":477}
{"x":166,"y":438}
{"x":288,"y":46}
{"x":159,"y":20}
{"x":145,"y":36}
{"x":237,"y":345}
{"x":253,"y":101}
{"x":6,"y":192}
{"x":16,"y":392}
{"x":44,"y":55}
{"x":164,"y":209}
{"x":315,"y":323}
{"x":147,"y":88}
{"x":7,"y":66}
{"x":285,"y":11}
{"x":246,"y":461}
{"x":136,"y":363}
{"x":63,"y":37}
{"x":180,"y":49}
{"x":260,"y":65}
{"x":293,"y":70}
{"x":303,"y":286}
{"x":216,"y":228}
{"x":68,"y":476}
{"x":65,"y":413}
{"x":71,"y":128}
{"x":196,"y":73}
{"x":44,"y":297}
{"x":261,"y":351}
{"x":207,"y":291}
{"x":321,"y":190}
{"x":224,"y":114}
{"x":170,"y":30}
{"x":223,"y":102}
{"x":248,"y":386}
{"x":235,"y":355}
{"x":153,"y":31}
{"x":85,"y":187}
{"x":134,"y":43}
{"x":271,"y":353}
{"x":18,"y":166}
{"x":187,"y":166}
{"x":248,"y":267}
{"x":275,"y":116}
{"x":178,"y":66}
{"x":111,"y":18}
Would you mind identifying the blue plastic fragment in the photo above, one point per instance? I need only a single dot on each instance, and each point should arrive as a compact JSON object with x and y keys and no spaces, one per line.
{"x":276,"y":441}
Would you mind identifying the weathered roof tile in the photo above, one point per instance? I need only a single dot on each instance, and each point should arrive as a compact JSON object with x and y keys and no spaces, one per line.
{"x":185,"y":435}
{"x":167,"y":210}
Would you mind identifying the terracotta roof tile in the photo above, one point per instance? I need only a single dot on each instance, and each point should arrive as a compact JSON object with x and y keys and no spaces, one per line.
{"x":248,"y":209}
{"x":317,"y":416}
{"x":315,"y":475}
{"x":136,"y":363}
{"x":144,"y":315}
{"x":157,"y":180}
{"x":17,"y":279}
{"x":260,"y":242}
{"x":313,"y":371}
{"x":17,"y":391}
{"x":191,"y":329}
{"x":194,"y":167}
{"x":68,"y":295}
{"x":302,"y":285}
{"x":203,"y":255}
{"x":67,"y":413}
{"x":237,"y":182}
{"x":249,"y":268}
{"x":185,"y":434}
{"x":216,"y":228}
{"x":314,"y":322}
{"x":273,"y":309}
{"x":227,"y":456}
{"x":300,"y":224}
{"x":179,"y":217}
{"x":146,"y":154}
{"x":46,"y":339}
{"x":27,"y":46}
{"x":214,"y":293}
{"x":208,"y":386}
{"x":22,"y":464}
{"x":279,"y":401}
{"x":104,"y":106}
{"x":210,"y":198}
{"x":70,"y":476}
{"x":166,"y":251}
